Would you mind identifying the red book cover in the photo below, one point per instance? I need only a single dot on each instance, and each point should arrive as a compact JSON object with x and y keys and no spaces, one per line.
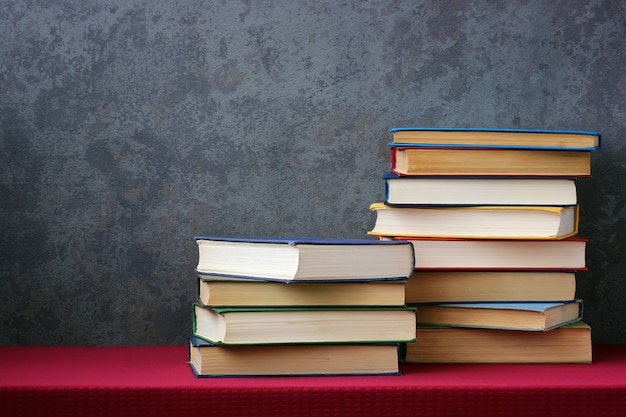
{"x":489,"y":162}
{"x":479,"y":254}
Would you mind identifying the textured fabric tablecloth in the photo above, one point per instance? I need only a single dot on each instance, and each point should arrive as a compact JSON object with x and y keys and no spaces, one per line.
{"x":157,"y":381}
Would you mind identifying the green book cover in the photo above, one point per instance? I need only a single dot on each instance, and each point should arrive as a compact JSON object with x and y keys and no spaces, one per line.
{"x":258,"y":325}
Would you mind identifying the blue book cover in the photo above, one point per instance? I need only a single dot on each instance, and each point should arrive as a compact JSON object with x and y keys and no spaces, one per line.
{"x":408,"y":191}
{"x":294,"y":241}
{"x":535,"y":316}
{"x":304,"y":259}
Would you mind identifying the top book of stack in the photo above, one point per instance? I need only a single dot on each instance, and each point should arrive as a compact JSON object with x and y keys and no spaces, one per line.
{"x":506,"y":138}
{"x":492,"y":152}
{"x":304,"y":259}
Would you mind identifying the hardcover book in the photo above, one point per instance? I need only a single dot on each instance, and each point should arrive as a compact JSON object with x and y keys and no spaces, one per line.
{"x":567,"y":344}
{"x":303,"y":325}
{"x":424,"y":191}
{"x":210,"y":360}
{"x":474,"y":254}
{"x":533,"y":316}
{"x":238,"y":292}
{"x":476,"y":222}
{"x":450,"y":161}
{"x":492,"y":137}
{"x":306,"y":259}
{"x":444,"y":286}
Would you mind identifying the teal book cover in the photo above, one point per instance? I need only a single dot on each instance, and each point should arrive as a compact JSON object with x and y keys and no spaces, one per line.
{"x":534,"y":316}
{"x":496,"y":138}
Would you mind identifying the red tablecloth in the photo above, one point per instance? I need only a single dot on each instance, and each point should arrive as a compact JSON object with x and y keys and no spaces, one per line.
{"x":157,"y":381}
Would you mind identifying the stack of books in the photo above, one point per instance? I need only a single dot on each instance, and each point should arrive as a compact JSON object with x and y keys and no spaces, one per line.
{"x":493,"y":218}
{"x":300,"y":307}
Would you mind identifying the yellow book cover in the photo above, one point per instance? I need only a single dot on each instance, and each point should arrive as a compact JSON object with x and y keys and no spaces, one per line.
{"x":476,"y":222}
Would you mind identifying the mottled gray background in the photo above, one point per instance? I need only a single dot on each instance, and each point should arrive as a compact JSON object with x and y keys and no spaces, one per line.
{"x":128,"y":127}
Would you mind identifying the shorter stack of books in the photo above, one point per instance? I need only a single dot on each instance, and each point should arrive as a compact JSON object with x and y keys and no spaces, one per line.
{"x":300,"y":307}
{"x":493,"y":216}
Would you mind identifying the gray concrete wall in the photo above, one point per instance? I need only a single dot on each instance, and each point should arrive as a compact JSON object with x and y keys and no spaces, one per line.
{"x":128,"y":127}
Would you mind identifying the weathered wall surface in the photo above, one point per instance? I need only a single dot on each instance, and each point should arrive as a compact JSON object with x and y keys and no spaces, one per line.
{"x":128,"y":127}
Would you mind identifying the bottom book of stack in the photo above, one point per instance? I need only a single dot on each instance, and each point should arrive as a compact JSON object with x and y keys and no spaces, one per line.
{"x":211,"y":360}
{"x":567,"y":344}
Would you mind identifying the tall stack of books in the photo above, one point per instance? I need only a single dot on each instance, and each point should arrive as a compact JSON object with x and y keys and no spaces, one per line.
{"x":300,"y":307}
{"x":493,"y":218}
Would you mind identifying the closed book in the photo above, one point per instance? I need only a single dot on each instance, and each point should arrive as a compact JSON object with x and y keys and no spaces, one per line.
{"x":238,"y":292}
{"x":475,"y":254}
{"x":303,"y":325}
{"x":450,"y":161}
{"x":567,"y":344}
{"x":209,"y":360}
{"x":437,"y":286}
{"x":476,"y":222}
{"x":494,"y":137}
{"x":533,"y":316}
{"x":304,"y":259}
{"x":426,"y":191}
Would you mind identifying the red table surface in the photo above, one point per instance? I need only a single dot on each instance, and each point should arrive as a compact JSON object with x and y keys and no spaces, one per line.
{"x":157,"y":381}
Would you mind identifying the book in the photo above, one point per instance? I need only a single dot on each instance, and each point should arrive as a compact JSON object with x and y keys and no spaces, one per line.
{"x":238,"y":292}
{"x":430,"y":161}
{"x":210,"y":360}
{"x":550,"y":139}
{"x":472,"y":254}
{"x":305,"y":259}
{"x":477,"y":222}
{"x":437,"y":286}
{"x":303,"y":325}
{"x":416,"y":191}
{"x":533,"y":316}
{"x":567,"y":344}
